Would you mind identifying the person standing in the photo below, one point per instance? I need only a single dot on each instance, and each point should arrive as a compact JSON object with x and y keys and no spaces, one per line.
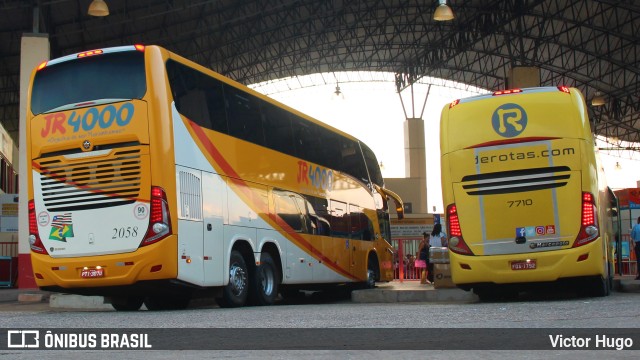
{"x":635,"y":236}
{"x":426,"y":275}
{"x":438,"y":238}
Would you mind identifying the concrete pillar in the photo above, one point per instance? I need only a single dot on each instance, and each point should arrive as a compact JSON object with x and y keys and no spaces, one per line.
{"x":415,"y":161}
{"x":34,"y":49}
{"x":523,"y":77}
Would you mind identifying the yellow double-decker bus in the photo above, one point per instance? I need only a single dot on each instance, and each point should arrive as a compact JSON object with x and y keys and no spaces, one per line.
{"x":525,"y":196}
{"x":153,"y":180}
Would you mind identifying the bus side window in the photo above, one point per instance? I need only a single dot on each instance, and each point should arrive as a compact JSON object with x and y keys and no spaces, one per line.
{"x":339,"y":219}
{"x":287,"y":210}
{"x":193,"y":105}
{"x":320,"y":209}
{"x":243,"y":116}
{"x":278,"y":130}
{"x":352,"y":161}
{"x":361,"y":226}
{"x":197,"y":96}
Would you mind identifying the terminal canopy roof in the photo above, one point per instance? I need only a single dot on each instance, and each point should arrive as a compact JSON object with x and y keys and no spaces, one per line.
{"x":590,"y":44}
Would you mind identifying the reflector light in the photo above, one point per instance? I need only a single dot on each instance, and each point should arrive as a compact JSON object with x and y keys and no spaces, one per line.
{"x":42,"y":65}
{"x":89,"y":53}
{"x":564,"y":89}
{"x":139,"y":47}
{"x":507,"y":92}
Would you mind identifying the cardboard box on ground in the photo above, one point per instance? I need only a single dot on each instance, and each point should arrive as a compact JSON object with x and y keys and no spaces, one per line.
{"x":442,"y":276}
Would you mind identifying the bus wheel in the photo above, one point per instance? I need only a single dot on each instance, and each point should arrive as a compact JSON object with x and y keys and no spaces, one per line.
{"x":599,"y":286}
{"x":166,"y":302}
{"x":372,"y":275}
{"x":264,"y":285}
{"x":126,"y":303}
{"x":236,"y":291}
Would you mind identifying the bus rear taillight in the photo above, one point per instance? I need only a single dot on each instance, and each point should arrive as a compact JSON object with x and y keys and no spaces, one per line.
{"x":159,"y":220}
{"x":34,"y":236}
{"x":564,"y":89}
{"x":456,"y":241}
{"x":589,"y":227}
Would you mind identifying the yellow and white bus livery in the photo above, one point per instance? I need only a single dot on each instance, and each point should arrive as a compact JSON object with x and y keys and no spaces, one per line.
{"x":153,"y":180}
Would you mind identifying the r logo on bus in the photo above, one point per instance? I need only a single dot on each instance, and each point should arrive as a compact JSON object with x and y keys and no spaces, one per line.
{"x":509,"y":120}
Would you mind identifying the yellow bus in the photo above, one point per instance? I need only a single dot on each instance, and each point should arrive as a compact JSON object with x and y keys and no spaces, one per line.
{"x":525,"y":197}
{"x":153,"y":180}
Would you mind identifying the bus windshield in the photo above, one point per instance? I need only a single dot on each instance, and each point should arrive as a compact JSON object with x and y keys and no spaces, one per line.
{"x":108,"y":76}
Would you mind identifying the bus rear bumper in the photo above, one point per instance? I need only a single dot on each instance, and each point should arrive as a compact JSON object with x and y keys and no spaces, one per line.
{"x":153,"y":262}
{"x":587,"y":260}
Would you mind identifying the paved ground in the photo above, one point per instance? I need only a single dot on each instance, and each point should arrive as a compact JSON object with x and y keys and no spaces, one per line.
{"x":397,"y":291}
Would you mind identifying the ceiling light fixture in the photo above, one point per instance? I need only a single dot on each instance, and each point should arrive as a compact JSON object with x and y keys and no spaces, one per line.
{"x":98,"y":8}
{"x":598,"y":100}
{"x":443,"y":12}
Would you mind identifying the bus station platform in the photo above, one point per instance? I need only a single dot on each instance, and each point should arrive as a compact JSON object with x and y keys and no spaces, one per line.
{"x":392,"y":292}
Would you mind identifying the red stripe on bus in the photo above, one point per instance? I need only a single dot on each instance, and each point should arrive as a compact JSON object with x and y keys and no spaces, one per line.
{"x":227,"y":169}
{"x":511,"y":141}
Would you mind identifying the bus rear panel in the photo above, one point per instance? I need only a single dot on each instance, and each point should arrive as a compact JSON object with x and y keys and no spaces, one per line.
{"x":521,"y":189}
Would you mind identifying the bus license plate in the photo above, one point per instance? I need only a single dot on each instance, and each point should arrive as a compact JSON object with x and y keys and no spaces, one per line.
{"x":523,"y":265}
{"x":92,"y":273}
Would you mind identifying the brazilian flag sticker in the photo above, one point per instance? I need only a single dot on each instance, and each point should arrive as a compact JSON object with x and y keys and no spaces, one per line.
{"x":61,"y":227}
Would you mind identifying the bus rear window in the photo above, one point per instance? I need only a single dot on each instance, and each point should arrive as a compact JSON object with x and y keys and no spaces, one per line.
{"x":109,"y":76}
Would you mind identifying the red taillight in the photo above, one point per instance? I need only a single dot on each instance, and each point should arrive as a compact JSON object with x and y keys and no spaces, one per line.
{"x":159,"y":220}
{"x":507,"y":92}
{"x":90,"y":53}
{"x":454,"y":103}
{"x":456,"y":241}
{"x":564,"y":89}
{"x":139,"y":47}
{"x":34,"y":237}
{"x":589,"y":226}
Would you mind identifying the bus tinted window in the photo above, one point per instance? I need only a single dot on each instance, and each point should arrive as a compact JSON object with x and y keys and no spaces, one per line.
{"x":277,"y":128}
{"x":306,"y":137}
{"x":372,"y":165}
{"x":109,"y":76}
{"x":197,"y":96}
{"x":352,"y":161}
{"x":243,"y":116}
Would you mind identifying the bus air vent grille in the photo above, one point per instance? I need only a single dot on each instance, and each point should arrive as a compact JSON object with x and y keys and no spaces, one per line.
{"x":190,"y":196}
{"x":514,"y":181}
{"x":92,"y":183}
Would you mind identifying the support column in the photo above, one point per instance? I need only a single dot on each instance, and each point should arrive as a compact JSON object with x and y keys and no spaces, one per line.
{"x":415,"y":162}
{"x":34,"y":49}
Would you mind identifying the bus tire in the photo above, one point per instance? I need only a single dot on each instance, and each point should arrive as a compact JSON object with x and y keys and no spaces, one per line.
{"x":373,"y":272}
{"x":167,"y":302}
{"x":601,"y":286}
{"x":127,"y":303}
{"x":235,"y":293}
{"x":264,"y":283}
